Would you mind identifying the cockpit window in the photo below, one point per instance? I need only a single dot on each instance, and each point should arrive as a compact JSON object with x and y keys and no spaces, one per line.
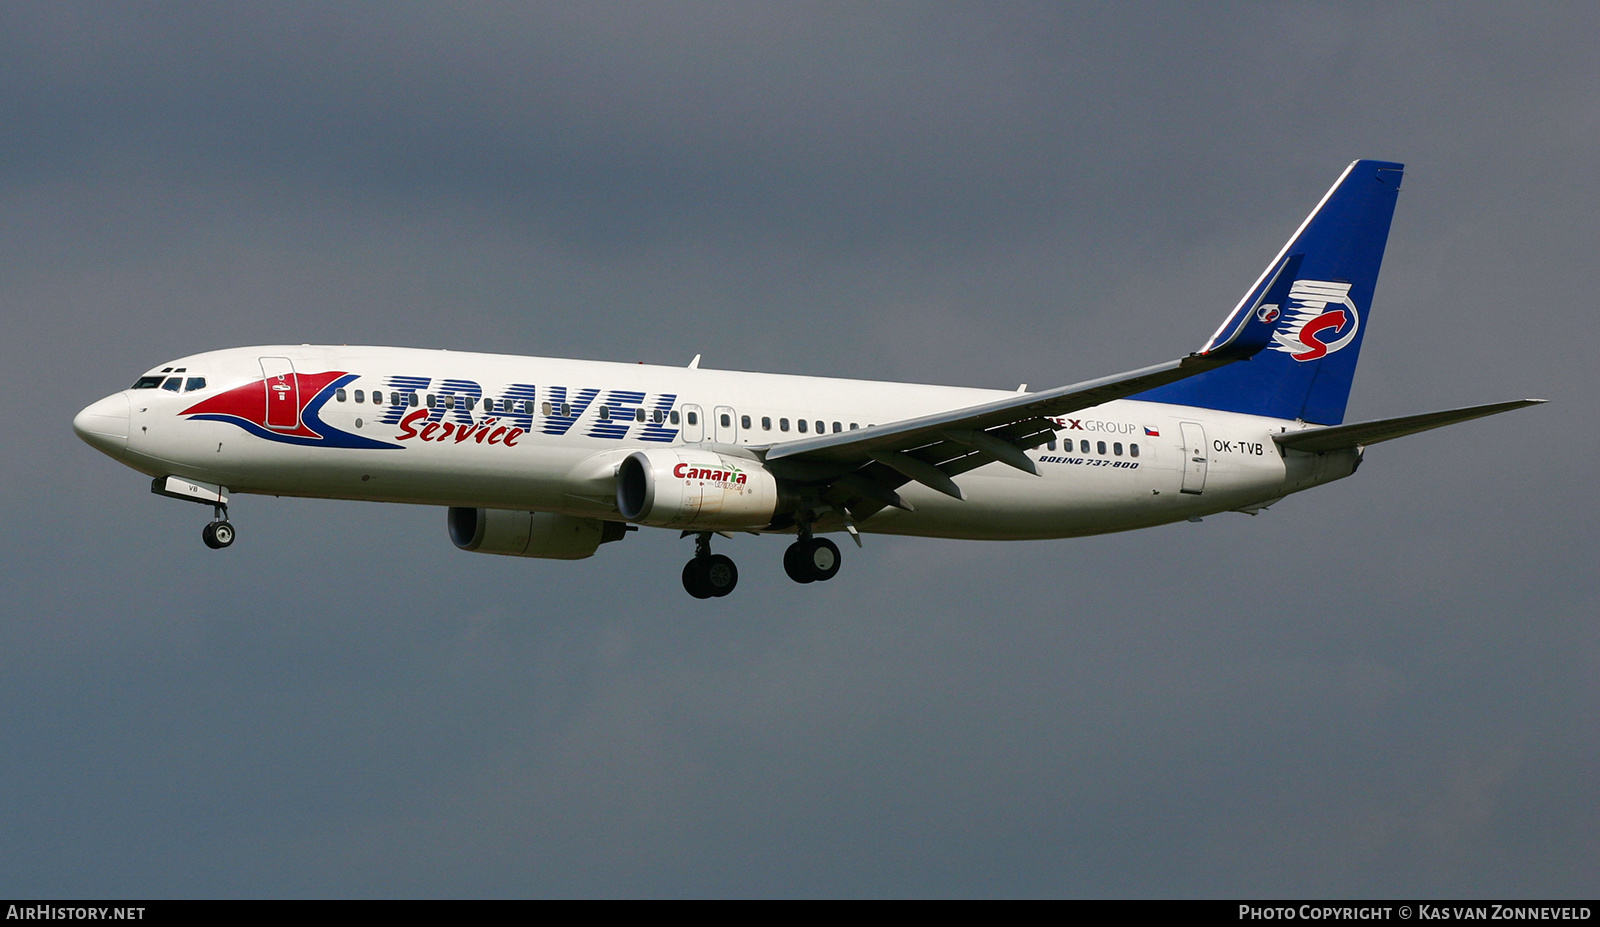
{"x":194,"y":383}
{"x":173,"y":384}
{"x":148,"y":382}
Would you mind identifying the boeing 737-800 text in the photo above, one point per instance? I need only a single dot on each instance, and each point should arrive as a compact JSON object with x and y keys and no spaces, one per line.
{"x":542,"y":457}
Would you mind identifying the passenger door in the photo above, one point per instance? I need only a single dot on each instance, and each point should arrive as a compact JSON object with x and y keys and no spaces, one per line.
{"x":1194,"y":458}
{"x":283,"y":393}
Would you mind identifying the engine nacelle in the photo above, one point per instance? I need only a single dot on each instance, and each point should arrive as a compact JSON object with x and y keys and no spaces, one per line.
{"x":693,"y":488}
{"x":530,"y":534}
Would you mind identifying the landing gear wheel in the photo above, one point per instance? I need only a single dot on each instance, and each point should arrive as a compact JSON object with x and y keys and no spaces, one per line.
{"x":695,"y":581}
{"x":811,"y":560}
{"x":794,"y":563}
{"x":705,"y":577}
{"x":824,"y":559}
{"x":708,"y":574}
{"x":720,"y":574}
{"x":217,"y":534}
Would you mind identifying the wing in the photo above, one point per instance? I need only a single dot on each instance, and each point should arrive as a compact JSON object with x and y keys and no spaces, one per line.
{"x":858,"y":471}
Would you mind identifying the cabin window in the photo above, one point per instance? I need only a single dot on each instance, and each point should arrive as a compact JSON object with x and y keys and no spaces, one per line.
{"x":339,"y":395}
{"x":1100,"y":447}
{"x":527,"y":407}
{"x":433,"y":401}
{"x":727,"y":420}
{"x":656,"y":416}
{"x":854,"y":426}
{"x":173,"y":384}
{"x":766,"y":423}
{"x":783,"y":424}
{"x":673,"y":416}
{"x":566,"y":410}
{"x":821,"y":429}
{"x":545,"y":408}
{"x":1083,"y":447}
{"x":694,"y":419}
{"x":837,"y":427}
{"x":361,"y":395}
{"x":147,"y":383}
{"x":416,"y":400}
{"x":1051,"y":444}
{"x":605,"y":413}
{"x":450,"y":401}
{"x":802,"y":424}
{"x":1117,"y":449}
{"x":194,"y":383}
{"x":638,"y":415}
{"x":1133,"y":450}
{"x":470,"y":401}
{"x":744,"y":421}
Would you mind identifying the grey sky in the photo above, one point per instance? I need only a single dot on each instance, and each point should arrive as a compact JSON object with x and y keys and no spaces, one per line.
{"x":1386,"y":686}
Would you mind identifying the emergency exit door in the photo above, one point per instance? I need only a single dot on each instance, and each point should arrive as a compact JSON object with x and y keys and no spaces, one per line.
{"x":694,"y":424}
{"x":726,"y":425}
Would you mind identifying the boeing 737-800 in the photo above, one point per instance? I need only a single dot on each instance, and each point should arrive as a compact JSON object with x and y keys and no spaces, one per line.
{"x":542,"y":457}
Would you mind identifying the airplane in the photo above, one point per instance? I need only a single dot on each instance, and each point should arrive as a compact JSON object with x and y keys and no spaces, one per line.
{"x":551,"y":458}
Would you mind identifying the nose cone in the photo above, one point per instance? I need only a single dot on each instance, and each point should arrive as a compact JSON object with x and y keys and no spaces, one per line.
{"x":104,"y":425}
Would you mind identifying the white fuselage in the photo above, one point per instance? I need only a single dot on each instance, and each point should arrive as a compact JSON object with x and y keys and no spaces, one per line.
{"x":1126,"y":464}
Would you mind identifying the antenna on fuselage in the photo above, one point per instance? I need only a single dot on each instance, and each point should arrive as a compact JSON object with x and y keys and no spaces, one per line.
{"x":695,"y":364}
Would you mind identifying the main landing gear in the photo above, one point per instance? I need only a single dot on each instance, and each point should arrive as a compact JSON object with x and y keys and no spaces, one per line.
{"x":811,"y":560}
{"x":219,"y":533}
{"x":709,"y":575}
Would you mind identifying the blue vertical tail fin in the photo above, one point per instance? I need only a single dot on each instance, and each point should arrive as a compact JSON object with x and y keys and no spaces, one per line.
{"x":1318,"y":292}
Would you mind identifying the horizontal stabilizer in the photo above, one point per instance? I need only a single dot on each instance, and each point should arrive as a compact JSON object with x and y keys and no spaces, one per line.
{"x":1338,"y":437}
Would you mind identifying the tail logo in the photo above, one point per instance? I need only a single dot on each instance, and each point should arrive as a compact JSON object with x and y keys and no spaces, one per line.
{"x":1321,"y":319}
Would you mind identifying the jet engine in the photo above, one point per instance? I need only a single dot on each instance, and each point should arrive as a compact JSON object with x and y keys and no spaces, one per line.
{"x":530,"y":534}
{"x":695,"y":489}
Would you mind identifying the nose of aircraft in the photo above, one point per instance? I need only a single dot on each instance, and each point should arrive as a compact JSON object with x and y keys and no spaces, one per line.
{"x":104,"y":424}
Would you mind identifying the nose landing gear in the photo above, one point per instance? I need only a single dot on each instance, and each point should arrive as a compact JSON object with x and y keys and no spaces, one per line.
{"x":219,"y":533}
